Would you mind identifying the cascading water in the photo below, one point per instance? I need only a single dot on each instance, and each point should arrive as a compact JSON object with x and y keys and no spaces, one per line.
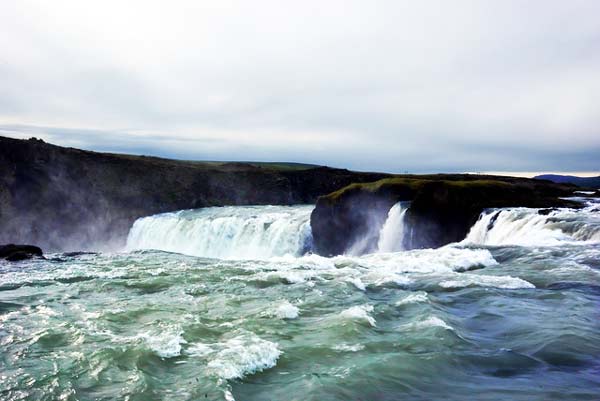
{"x":391,"y":235}
{"x":240,"y":232}
{"x":532,"y":227}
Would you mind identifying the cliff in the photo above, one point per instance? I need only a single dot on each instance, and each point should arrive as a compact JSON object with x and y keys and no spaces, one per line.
{"x":69,"y":199}
{"x":442,"y":208}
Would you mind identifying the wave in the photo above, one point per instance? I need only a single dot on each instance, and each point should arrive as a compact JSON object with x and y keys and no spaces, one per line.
{"x":432,"y":321}
{"x":504,"y":282}
{"x":441,"y":260}
{"x":244,"y":354}
{"x":343,"y":347}
{"x":287,"y":311}
{"x":165,"y":344}
{"x":417,"y":297}
{"x":240,"y":232}
{"x":359,"y":313}
{"x":407,"y":269}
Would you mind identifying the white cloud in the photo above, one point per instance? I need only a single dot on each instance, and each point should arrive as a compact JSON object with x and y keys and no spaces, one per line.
{"x":393,"y":85}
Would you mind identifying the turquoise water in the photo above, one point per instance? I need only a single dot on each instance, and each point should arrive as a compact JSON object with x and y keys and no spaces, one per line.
{"x":467,"y":321}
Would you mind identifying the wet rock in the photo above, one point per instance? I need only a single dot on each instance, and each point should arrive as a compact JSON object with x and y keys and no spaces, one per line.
{"x":14,"y":253}
{"x":78,"y":253}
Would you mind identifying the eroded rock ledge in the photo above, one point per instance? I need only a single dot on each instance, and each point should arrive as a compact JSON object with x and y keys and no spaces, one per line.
{"x":443,"y":208}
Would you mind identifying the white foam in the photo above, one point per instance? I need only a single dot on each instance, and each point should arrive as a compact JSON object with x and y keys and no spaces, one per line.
{"x":165,"y":344}
{"x":343,"y":347}
{"x":434,"y":321}
{"x":357,"y":282}
{"x":573,"y":267}
{"x":289,"y":276}
{"x":402,"y":269}
{"x":431,"y":321}
{"x":242,"y":355}
{"x":414,"y":298}
{"x":309,"y":261}
{"x":360,"y":313}
{"x":287,"y":311}
{"x":467,"y":280}
{"x":45,"y":311}
{"x":383,"y":277}
{"x":228,"y":395}
{"x":445,"y":259}
{"x":199,"y":350}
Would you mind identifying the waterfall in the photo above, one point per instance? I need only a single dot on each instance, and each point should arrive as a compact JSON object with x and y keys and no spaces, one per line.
{"x":532,"y":227}
{"x":232,"y":232}
{"x":391,"y":235}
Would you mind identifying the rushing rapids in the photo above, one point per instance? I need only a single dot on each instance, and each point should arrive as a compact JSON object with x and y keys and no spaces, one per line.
{"x":228,"y":303}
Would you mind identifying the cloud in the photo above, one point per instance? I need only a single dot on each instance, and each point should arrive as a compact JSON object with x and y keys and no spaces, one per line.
{"x":385,"y":85}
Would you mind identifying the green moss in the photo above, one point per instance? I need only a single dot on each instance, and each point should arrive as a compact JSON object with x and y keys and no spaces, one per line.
{"x":375,"y":186}
{"x":414,"y":184}
{"x":479,"y":184}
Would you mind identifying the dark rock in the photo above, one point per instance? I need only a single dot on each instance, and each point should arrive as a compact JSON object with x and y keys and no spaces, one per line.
{"x":493,"y":221}
{"x":78,"y":253}
{"x":343,"y":218}
{"x":443,"y":208}
{"x":546,"y":212}
{"x":17,"y":256}
{"x":13,"y":253}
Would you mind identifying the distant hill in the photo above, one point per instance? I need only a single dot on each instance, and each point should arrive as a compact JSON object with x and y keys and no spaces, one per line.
{"x":588,"y":182}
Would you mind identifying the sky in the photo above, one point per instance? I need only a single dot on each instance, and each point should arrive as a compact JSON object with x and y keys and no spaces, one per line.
{"x":417,"y":86}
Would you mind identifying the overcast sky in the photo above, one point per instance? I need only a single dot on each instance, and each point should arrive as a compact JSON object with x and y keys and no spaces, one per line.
{"x":372,"y":85}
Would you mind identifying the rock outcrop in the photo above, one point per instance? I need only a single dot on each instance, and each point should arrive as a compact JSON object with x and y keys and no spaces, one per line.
{"x":14,"y":253}
{"x":442,"y":210}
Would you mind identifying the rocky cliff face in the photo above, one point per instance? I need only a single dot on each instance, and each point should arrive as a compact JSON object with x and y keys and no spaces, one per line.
{"x":442,"y":210}
{"x":69,"y":199}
